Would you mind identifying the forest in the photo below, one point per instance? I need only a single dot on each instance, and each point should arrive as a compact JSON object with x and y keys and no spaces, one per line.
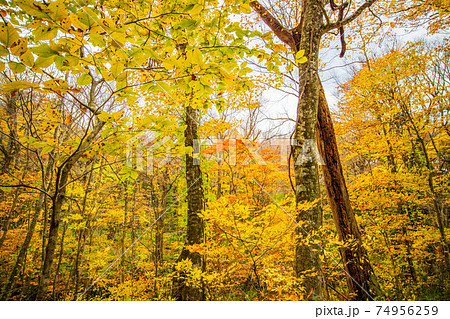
{"x":224,"y":150}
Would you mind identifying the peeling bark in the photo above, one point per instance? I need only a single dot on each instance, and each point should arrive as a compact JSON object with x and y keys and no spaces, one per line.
{"x":355,"y":260}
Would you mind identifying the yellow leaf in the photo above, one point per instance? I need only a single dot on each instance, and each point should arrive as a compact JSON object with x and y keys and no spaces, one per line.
{"x":3,"y":51}
{"x":117,"y":68}
{"x":196,"y":9}
{"x":299,"y":55}
{"x":19,"y":47}
{"x":57,"y":10}
{"x":8,"y":35}
{"x":17,"y":85}
{"x":45,"y":32}
{"x":27,"y":58}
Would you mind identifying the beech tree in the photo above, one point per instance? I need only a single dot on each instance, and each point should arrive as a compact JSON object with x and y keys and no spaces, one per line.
{"x":312,"y":111}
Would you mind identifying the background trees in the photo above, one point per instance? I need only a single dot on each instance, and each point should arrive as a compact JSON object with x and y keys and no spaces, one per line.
{"x":397,"y":131}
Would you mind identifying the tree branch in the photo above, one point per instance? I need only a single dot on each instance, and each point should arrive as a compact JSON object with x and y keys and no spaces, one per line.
{"x":29,"y":186}
{"x":349,"y":19}
{"x":282,"y":33}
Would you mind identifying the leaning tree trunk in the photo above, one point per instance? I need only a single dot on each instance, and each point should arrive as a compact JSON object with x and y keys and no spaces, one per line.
{"x":359,"y":272}
{"x":195,"y":226}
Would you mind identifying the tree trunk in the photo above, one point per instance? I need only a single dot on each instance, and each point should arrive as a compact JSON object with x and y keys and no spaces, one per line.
{"x":124,"y":234}
{"x":58,"y":267}
{"x":195,"y":227}
{"x":359,"y":272}
{"x":159,"y":235}
{"x":44,"y":276}
{"x":82,"y":234}
{"x":12,"y":147}
{"x":307,"y":253}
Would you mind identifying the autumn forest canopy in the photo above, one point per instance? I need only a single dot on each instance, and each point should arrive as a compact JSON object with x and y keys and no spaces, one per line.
{"x":186,"y":150}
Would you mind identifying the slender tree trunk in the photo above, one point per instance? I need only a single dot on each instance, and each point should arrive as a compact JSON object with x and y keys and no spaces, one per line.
{"x":195,"y":227}
{"x":61,"y":252}
{"x":44,"y":276}
{"x":159,"y":235}
{"x":124,"y":233}
{"x":12,"y":147}
{"x":82,"y":234}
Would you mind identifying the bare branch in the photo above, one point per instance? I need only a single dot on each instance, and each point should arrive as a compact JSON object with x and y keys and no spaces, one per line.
{"x":349,"y":19}
{"x":282,"y":33}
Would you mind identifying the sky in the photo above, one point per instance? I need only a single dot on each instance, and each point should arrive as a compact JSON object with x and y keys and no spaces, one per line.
{"x":336,"y":71}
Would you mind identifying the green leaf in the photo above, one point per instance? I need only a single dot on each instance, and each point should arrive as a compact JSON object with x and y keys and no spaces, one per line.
{"x":71,"y":60}
{"x":45,"y":33}
{"x":87,"y":16}
{"x":117,"y":68}
{"x":57,"y":10}
{"x":59,"y":61}
{"x":17,"y":67}
{"x":43,"y":63}
{"x":85,"y":79}
{"x":188,"y":24}
{"x":97,"y":39}
{"x":44,"y":51}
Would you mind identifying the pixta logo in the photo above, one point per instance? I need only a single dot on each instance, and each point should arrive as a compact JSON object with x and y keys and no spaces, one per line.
{"x":143,"y":149}
{"x":149,"y":150}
